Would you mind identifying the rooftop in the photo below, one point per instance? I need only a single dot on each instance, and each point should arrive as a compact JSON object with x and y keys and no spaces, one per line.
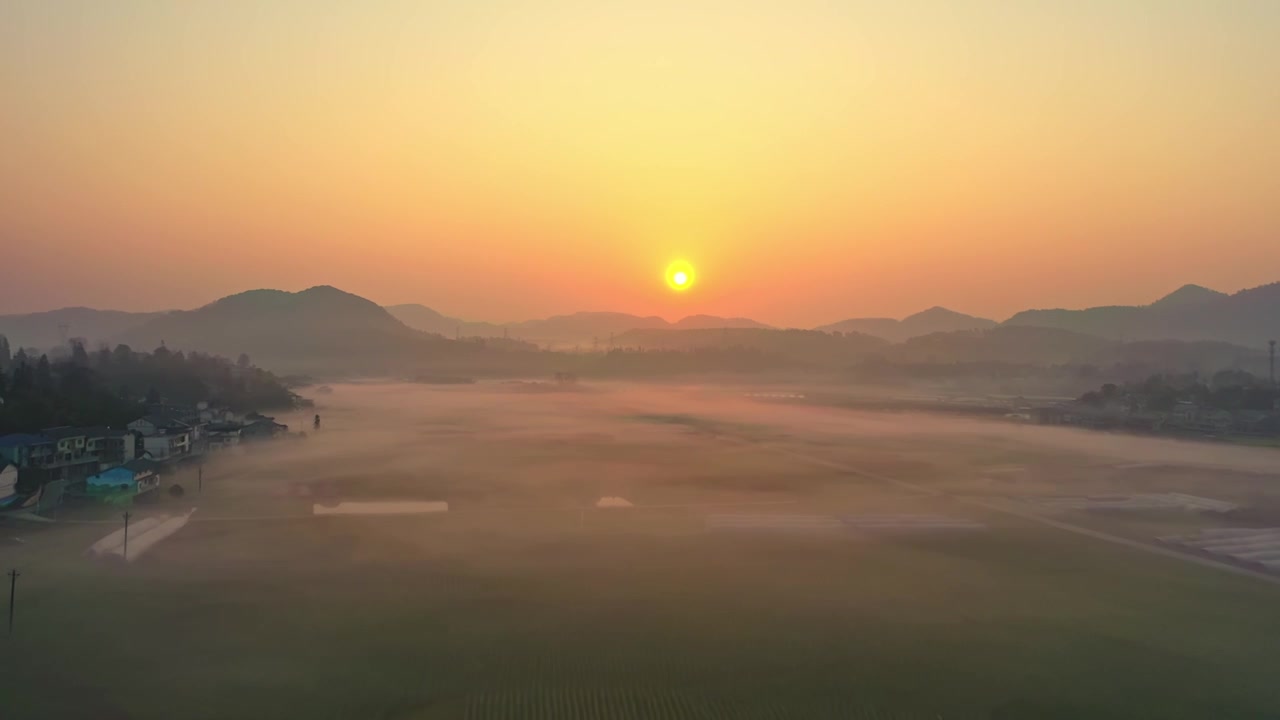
{"x":21,"y":439}
{"x":142,"y":465}
{"x":95,"y":431}
{"x":64,"y":432}
{"x":165,"y":422}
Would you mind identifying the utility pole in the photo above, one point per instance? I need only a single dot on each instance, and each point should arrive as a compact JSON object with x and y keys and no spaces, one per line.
{"x":13,"y":584}
{"x":200,"y":477}
{"x":126,"y":536}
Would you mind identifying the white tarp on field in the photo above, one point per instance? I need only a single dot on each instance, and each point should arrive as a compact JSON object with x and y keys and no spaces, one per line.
{"x":141,"y":543}
{"x":144,"y":534}
{"x":385,"y":507}
{"x":112,"y":542}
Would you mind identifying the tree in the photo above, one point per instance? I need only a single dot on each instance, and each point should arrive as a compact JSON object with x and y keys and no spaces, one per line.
{"x":5,"y":357}
{"x":21,"y":377}
{"x":78,"y":354}
{"x":62,"y":391}
{"x":1233,"y":379}
{"x":243,"y":361}
{"x":44,"y":375}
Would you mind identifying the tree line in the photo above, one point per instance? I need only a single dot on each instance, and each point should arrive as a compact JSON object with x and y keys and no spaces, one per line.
{"x":114,"y":386}
{"x":1225,"y":390}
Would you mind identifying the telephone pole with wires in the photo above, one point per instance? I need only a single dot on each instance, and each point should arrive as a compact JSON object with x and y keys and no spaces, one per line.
{"x":13,"y":586}
{"x":125,"y":551}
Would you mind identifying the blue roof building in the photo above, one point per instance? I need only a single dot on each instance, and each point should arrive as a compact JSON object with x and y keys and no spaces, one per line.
{"x":132,"y":478}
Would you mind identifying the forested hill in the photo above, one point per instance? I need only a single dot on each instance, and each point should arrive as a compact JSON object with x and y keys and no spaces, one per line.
{"x":112,"y":387}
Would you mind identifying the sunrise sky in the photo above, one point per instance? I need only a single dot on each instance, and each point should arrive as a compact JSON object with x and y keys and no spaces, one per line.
{"x":508,"y":159}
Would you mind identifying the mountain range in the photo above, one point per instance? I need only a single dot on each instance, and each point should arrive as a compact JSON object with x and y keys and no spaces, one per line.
{"x":326,"y":327}
{"x":933,"y":320}
{"x":1248,"y":317}
{"x":276,"y":328}
{"x":583,"y":328}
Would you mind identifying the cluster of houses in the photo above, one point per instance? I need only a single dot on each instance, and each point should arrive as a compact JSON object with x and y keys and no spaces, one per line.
{"x":1185,"y":417}
{"x":37,"y":468}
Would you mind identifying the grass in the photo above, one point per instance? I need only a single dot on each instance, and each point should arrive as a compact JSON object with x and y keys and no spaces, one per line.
{"x":497,"y":610}
{"x":410,"y":622}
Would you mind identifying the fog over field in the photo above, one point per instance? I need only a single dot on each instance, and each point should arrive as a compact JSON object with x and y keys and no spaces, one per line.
{"x":628,"y":551}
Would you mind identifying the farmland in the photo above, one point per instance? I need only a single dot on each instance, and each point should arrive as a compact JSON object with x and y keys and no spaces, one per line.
{"x":525,"y":599}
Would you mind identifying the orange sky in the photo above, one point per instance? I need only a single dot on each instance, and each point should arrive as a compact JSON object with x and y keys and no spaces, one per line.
{"x":503,"y":160}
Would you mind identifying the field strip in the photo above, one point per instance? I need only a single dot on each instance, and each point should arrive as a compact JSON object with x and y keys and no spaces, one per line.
{"x":466,"y":510}
{"x":1036,"y":518}
{"x":756,"y":503}
{"x":1137,"y":544}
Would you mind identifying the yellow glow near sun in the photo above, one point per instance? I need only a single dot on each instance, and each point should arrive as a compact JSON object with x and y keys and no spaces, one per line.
{"x":680,"y":275}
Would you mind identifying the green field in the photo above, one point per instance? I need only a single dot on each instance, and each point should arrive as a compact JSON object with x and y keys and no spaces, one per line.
{"x":526,"y":601}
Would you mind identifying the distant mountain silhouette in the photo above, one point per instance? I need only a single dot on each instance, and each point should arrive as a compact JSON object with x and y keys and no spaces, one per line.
{"x":421,"y":317}
{"x":326,"y":329}
{"x":1013,"y":345}
{"x":809,"y":347}
{"x":933,"y":320}
{"x":44,"y":330}
{"x":1188,"y":296}
{"x":582,"y":328}
{"x":713,"y":322}
{"x":1042,"y":346}
{"x":1249,"y":317}
{"x":284,"y":329}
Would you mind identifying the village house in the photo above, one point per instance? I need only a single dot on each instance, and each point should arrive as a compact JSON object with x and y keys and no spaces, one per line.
{"x":1213,"y":420}
{"x":132,"y":478}
{"x":169,"y":419}
{"x":155,"y":423}
{"x":214,"y":415}
{"x":69,"y":444}
{"x":110,"y":447}
{"x":67,"y":453}
{"x":262,"y":429}
{"x":1184,"y":414}
{"x":224,"y":435}
{"x":167,"y":444}
{"x":25,"y":450}
{"x":165,"y":437}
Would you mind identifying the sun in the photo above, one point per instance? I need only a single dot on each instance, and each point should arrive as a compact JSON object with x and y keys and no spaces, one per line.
{"x":680,"y":275}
